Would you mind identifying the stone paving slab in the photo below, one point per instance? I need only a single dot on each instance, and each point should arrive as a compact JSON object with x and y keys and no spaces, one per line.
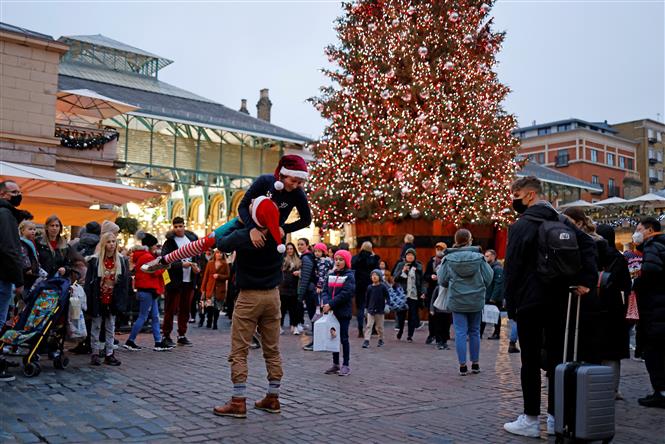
{"x":396,"y":394}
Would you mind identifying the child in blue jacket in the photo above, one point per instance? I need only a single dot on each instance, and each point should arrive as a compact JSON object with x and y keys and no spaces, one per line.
{"x":339,"y":293}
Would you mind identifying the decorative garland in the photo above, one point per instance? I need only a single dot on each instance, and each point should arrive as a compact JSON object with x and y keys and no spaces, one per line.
{"x":84,"y":140}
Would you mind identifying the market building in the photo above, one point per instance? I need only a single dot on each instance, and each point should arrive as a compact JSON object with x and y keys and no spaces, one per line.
{"x":201,"y":154}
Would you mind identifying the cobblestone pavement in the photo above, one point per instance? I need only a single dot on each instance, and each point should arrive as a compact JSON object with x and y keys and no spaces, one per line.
{"x":396,"y":394}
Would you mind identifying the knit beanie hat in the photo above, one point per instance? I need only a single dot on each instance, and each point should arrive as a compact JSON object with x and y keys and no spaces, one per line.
{"x":344,"y":254}
{"x":377,"y":272}
{"x":321,"y":246}
{"x":108,"y":226}
{"x":412,"y":251}
{"x":290,"y":165}
{"x":148,"y":240}
{"x":266,"y":215}
{"x":93,"y":228}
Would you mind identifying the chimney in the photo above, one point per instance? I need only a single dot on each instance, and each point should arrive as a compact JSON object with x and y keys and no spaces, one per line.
{"x":263,"y":106}
{"x":243,"y":106}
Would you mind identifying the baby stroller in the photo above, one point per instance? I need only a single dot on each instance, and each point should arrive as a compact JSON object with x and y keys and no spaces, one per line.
{"x":41,"y":327}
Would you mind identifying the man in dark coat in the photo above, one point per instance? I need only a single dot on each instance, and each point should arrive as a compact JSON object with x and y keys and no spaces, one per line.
{"x":11,"y":269}
{"x":494,"y":293}
{"x":180,"y":290}
{"x":439,"y":322}
{"x":363,"y":263}
{"x":650,"y":289}
{"x":539,"y":309}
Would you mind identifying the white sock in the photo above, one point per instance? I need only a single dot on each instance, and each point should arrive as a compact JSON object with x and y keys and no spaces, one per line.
{"x":532,"y":418}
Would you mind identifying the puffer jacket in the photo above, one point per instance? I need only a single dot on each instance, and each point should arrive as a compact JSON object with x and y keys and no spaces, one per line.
{"x":466,"y":274}
{"x":87,"y":244}
{"x":340,"y":289}
{"x":150,"y":282}
{"x":650,"y":287}
{"x":63,"y":256}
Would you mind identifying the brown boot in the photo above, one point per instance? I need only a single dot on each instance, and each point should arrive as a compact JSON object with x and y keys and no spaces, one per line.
{"x":269,"y":404}
{"x":236,"y":408}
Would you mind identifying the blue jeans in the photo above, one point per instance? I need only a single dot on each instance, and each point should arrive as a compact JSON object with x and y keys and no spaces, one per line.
{"x":344,"y":339}
{"x":513,"y":330}
{"x":467,"y":324}
{"x":6,"y":295}
{"x":147,"y":304}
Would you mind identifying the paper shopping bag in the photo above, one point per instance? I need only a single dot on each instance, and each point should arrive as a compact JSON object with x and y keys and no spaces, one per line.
{"x":491,"y":314}
{"x":326,"y":334}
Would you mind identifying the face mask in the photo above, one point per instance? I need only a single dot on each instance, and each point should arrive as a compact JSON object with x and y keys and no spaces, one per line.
{"x":15,"y":201}
{"x":519,"y":206}
{"x":439,"y":254}
{"x":638,"y":237}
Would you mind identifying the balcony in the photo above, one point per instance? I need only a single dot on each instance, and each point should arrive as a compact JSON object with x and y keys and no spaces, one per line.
{"x":602,"y":189}
{"x":613,"y":191}
{"x":561,"y":160}
{"x":653,"y":157}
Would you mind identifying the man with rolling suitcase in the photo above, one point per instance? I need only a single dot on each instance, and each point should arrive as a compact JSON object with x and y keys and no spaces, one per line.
{"x":545,"y":256}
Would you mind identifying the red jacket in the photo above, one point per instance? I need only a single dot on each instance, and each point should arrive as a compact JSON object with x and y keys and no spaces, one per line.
{"x":146,"y":281}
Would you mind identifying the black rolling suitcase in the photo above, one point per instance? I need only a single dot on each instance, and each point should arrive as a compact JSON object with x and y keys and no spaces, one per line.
{"x":584,"y":396}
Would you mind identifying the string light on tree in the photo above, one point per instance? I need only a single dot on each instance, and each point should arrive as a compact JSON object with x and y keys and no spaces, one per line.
{"x":416,"y":126}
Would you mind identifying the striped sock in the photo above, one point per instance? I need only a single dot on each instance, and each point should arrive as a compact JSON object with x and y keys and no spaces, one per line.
{"x":273,"y":387}
{"x":239,"y":390}
{"x":190,"y":250}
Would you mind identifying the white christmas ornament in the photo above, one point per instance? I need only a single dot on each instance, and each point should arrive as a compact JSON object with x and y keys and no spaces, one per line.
{"x":434,"y":129}
{"x":424,"y":95}
{"x":453,"y":16}
{"x":415,"y":213}
{"x":391,"y":73}
{"x":378,"y":193}
{"x":422,"y":52}
{"x":345,"y":152}
{"x":406,"y":96}
{"x":385,"y":94}
{"x":371,"y":27}
{"x":421,"y":118}
{"x":350,"y":78}
{"x":365,"y":171}
{"x":319,"y":107}
{"x":395,"y":22}
{"x":405,"y":190}
{"x":411,"y":10}
{"x":452,"y":192}
{"x":354,"y":137}
{"x":468,"y":39}
{"x":484,"y":8}
{"x":449,"y":65}
{"x":477,"y":176}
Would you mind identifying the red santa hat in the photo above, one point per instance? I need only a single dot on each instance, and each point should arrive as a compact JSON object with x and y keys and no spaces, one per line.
{"x":266,"y":215}
{"x":290,"y":165}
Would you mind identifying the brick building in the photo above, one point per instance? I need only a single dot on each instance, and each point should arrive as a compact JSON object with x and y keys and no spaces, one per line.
{"x":29,"y":66}
{"x":650,"y":137}
{"x":592,"y":152}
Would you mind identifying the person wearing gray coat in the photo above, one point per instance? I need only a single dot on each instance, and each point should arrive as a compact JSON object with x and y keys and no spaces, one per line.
{"x":466,"y":275}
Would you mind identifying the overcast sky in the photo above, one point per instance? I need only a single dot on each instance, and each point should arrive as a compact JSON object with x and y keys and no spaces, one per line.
{"x":594,"y":60}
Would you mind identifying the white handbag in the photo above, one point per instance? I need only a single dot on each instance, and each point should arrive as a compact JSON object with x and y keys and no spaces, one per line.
{"x":327,"y":334}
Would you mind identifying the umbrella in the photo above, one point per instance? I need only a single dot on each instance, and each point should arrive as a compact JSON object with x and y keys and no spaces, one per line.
{"x":611,"y":201}
{"x":649,"y":198}
{"x":85,"y":102}
{"x":70,"y":189}
{"x":578,"y":203}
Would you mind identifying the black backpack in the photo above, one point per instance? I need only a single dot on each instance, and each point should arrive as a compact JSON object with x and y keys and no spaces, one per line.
{"x":559,"y":257}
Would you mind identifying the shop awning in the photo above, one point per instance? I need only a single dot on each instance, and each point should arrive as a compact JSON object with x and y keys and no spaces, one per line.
{"x":52,"y":192}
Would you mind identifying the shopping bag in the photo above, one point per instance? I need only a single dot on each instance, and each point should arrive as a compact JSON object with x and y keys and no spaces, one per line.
{"x":491,"y":314}
{"x":632,"y":312}
{"x":441,"y":301}
{"x":326,"y":334}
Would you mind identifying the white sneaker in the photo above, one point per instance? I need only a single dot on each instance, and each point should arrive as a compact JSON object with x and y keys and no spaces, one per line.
{"x":522,"y":426}
{"x":550,"y":425}
{"x":300,"y":329}
{"x":281,"y":331}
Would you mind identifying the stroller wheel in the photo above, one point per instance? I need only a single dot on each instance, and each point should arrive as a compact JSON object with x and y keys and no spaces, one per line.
{"x":32,"y":369}
{"x":61,"y":362}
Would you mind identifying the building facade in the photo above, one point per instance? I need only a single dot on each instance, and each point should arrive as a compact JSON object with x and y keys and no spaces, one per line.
{"x":591,"y":152}
{"x":650,"y":137}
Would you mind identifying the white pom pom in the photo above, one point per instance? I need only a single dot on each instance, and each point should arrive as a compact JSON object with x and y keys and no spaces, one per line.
{"x":279,"y":185}
{"x":281,"y":248}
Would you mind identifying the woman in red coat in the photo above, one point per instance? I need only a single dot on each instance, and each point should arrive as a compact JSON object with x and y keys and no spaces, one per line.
{"x":213,"y":288}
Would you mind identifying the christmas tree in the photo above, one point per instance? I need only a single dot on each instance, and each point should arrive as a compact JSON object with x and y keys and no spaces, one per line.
{"x":416,"y":127}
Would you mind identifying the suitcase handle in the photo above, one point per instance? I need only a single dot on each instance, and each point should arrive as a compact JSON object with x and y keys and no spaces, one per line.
{"x":577,"y":325}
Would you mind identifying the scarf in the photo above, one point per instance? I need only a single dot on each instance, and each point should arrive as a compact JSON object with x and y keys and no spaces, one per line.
{"x":31,"y":244}
{"x":411,"y":291}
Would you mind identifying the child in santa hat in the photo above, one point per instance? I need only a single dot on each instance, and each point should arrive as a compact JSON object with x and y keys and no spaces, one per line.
{"x":284,"y":187}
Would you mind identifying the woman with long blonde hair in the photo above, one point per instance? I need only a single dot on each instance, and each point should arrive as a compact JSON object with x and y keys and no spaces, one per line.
{"x":106,"y":287}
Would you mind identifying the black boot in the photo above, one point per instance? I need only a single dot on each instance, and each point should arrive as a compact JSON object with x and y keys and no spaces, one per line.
{"x":215,"y":319}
